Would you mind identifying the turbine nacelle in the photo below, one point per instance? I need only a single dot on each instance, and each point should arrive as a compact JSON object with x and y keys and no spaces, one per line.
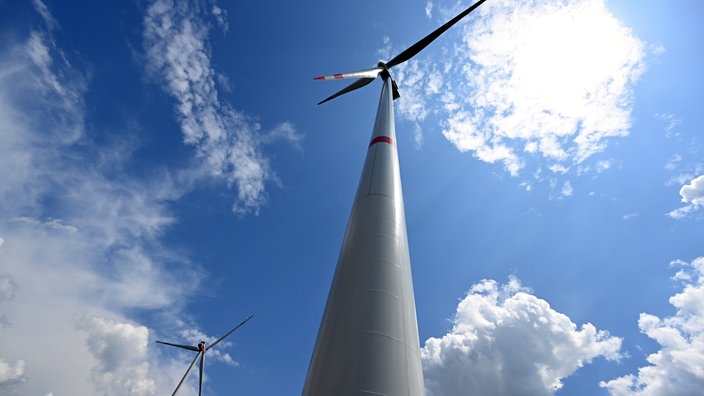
{"x":384,"y":69}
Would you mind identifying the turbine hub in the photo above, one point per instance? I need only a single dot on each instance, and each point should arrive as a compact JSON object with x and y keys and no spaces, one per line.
{"x":384,"y":73}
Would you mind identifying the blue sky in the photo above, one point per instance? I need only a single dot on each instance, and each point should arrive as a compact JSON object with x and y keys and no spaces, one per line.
{"x":166,"y":172}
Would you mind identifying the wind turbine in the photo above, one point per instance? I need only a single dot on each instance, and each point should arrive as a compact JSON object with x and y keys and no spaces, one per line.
{"x":201,"y":349}
{"x":368,"y":338}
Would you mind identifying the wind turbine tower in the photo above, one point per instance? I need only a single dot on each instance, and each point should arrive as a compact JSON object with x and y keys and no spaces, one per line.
{"x":368,"y":338}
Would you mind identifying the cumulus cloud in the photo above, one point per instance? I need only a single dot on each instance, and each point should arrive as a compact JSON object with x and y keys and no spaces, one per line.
{"x":121,"y":351}
{"x":677,"y":368}
{"x":11,"y":372}
{"x":694,"y":191}
{"x":693,"y":195}
{"x":227,"y":141}
{"x":506,"y":341}
{"x":534,"y":81}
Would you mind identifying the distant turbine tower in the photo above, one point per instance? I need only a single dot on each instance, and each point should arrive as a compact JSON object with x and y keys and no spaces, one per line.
{"x":201,"y":349}
{"x":368,"y":338}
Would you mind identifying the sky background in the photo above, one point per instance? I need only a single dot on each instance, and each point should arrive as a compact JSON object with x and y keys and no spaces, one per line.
{"x":165,"y":172}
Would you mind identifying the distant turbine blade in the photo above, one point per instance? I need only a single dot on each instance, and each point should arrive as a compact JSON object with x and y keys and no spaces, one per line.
{"x":189,"y":347}
{"x":200,"y":377}
{"x":411,"y":51}
{"x":366,"y":73}
{"x":355,"y":85}
{"x":228,"y":333}
{"x":187,"y":371}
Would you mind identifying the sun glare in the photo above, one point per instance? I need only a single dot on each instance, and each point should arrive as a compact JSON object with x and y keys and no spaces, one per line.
{"x":552,"y":79}
{"x":567,"y":56}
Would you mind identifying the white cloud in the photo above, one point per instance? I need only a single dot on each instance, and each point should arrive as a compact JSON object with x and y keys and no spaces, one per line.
{"x":80,"y":247}
{"x":417,"y":136}
{"x":7,"y":286}
{"x":559,"y":168}
{"x":284,"y":131}
{"x":602,"y":166}
{"x":567,"y":189}
{"x":228,"y":142}
{"x":10,"y":372}
{"x":673,"y":123}
{"x":694,"y":191}
{"x":44,"y":12}
{"x":678,"y":367}
{"x":673,"y":162}
{"x":683,"y":212}
{"x":220,"y":16}
{"x":79,"y":237}
{"x":194,"y":336}
{"x":693,"y":195}
{"x":412,"y":105}
{"x":550,"y":78}
{"x":506,"y":341}
{"x":121,"y":350}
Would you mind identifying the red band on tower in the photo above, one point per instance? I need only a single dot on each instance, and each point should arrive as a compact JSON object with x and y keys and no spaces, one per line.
{"x":381,"y":139}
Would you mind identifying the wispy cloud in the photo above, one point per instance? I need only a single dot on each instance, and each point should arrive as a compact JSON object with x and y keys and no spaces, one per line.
{"x":479,"y":355}
{"x":675,"y":369}
{"x":533,"y":82}
{"x":228,"y":141}
{"x":44,"y":12}
{"x":567,"y":189}
{"x":80,"y":236}
{"x":673,"y":123}
{"x":673,"y":162}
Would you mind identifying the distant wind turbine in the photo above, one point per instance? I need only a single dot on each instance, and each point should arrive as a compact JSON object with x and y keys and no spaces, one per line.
{"x":368,"y":339}
{"x":201,"y":349}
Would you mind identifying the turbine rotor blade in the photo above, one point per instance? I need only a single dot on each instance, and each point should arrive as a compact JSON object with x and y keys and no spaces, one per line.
{"x":411,"y":51}
{"x":355,"y":85}
{"x":366,"y":73}
{"x":187,"y":371}
{"x":228,"y":333}
{"x":189,"y":347}
{"x":394,"y":87}
{"x":200,"y":377}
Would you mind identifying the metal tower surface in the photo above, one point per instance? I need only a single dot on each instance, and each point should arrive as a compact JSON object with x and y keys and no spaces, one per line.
{"x":368,"y":338}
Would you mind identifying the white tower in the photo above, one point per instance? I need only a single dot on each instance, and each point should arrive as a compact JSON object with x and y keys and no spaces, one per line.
{"x":368,"y":338}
